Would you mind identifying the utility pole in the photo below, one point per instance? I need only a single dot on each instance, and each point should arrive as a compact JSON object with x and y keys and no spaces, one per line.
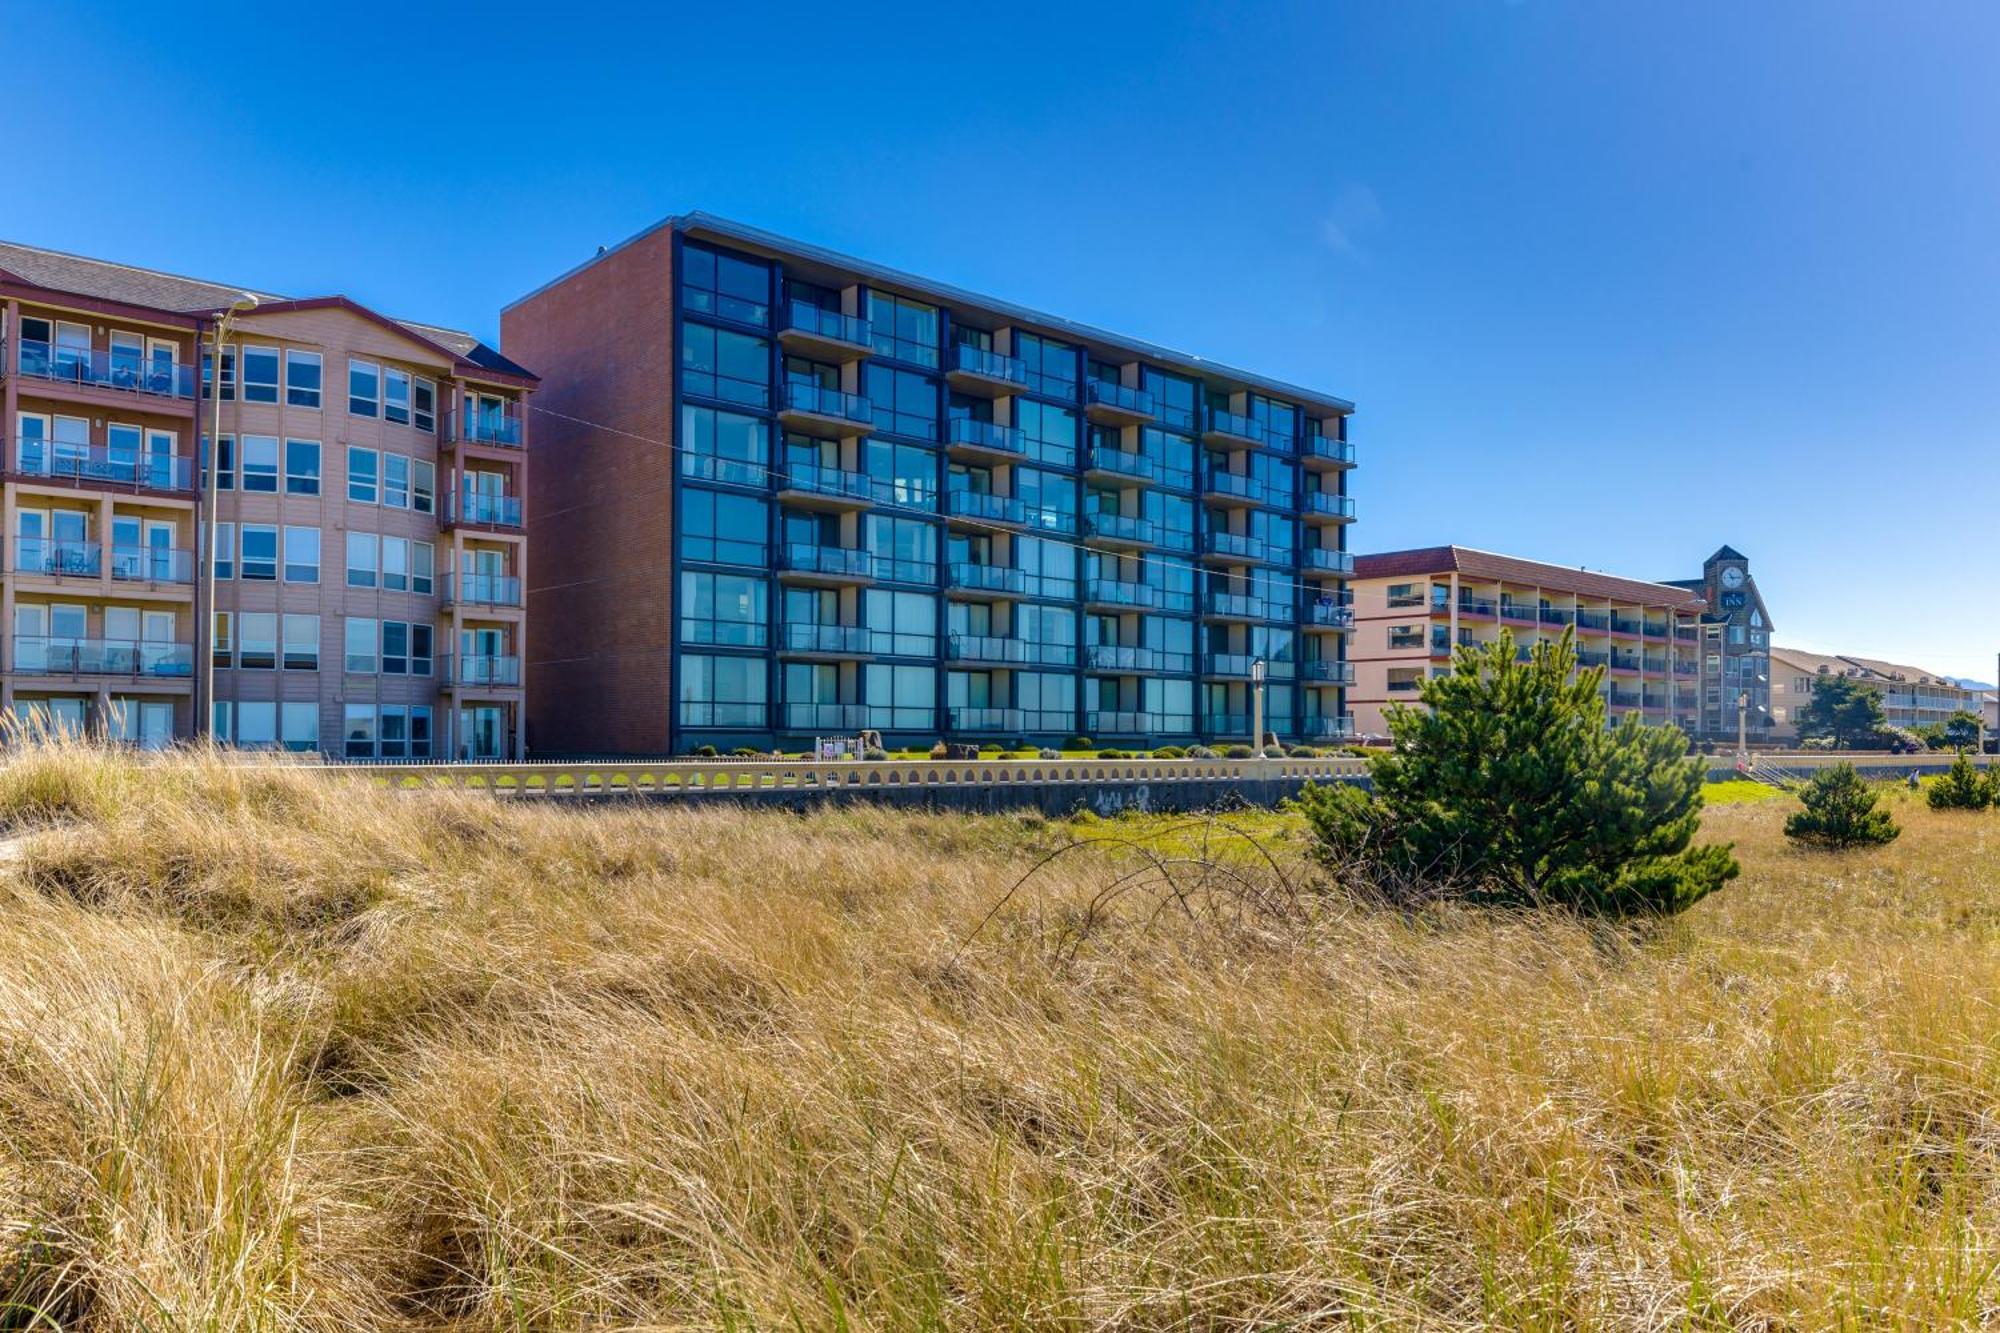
{"x":1742,"y":729}
{"x":204,"y":635}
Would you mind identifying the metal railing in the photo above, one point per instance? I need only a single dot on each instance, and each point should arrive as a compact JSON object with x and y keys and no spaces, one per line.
{"x":151,"y":564}
{"x":63,"y":559}
{"x":986,"y":578}
{"x":809,"y":558}
{"x":496,"y":511}
{"x":983,"y":505}
{"x":475,"y":589}
{"x":812,"y":637}
{"x":975,"y":434}
{"x":38,"y":655}
{"x":833,"y":482}
{"x":98,"y":464}
{"x":1120,"y":527}
{"x":471,"y":425}
{"x":500,"y":670}
{"x":1139,"y":467}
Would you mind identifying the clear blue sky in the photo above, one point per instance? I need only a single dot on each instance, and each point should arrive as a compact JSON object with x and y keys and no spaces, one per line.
{"x":1611,"y":284}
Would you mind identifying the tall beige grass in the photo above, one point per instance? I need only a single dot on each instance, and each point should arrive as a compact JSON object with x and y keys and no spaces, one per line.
{"x":280,"y":1051}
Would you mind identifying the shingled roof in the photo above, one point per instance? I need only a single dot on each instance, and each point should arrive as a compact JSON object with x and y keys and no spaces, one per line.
{"x":1432,"y":560}
{"x":1863,"y":668}
{"x":106,"y":281}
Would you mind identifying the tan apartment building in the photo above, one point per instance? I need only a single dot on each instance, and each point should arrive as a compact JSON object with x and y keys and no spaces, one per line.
{"x":1912,"y":697}
{"x":1412,"y":609}
{"x":370,"y":544}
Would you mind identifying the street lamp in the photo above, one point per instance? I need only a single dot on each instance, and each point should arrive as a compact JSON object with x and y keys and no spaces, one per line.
{"x":206,"y":700}
{"x":1257,"y":708}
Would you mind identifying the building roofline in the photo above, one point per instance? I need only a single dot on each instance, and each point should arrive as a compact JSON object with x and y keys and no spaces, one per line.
{"x":726,"y":229}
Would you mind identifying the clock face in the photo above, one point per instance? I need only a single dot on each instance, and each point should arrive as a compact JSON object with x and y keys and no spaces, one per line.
{"x":1732,"y":577}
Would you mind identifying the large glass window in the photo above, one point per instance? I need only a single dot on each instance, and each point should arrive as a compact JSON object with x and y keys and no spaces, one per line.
{"x":1051,"y":566}
{"x":1173,"y":519}
{"x":302,"y":467}
{"x":717,"y":363}
{"x":903,"y":474}
{"x":725,"y":446}
{"x":900,"y":698}
{"x":303,"y":372}
{"x":1051,"y":366}
{"x":257,"y":640}
{"x":1050,"y":498}
{"x":260,"y":374}
{"x":364,"y":389}
{"x":1174,"y":397}
{"x":1174,"y":455}
{"x":727,"y":286}
{"x":260,"y":551}
{"x":1052,"y":631}
{"x":301,"y":642}
{"x":363,"y":558}
{"x":1050,"y":432}
{"x":362,"y":635}
{"x":364,"y":470}
{"x":904,"y":329}
{"x":301,"y":555}
{"x":260,"y":463}
{"x":732,"y":610}
{"x":905,"y":403}
{"x":724,"y":529}
{"x":723,"y":691}
{"x":1047,"y":701}
{"x":901,"y":623}
{"x":905,"y":549}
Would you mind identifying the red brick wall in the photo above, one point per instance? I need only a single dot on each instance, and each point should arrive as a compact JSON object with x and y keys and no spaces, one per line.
{"x":600,"y":502}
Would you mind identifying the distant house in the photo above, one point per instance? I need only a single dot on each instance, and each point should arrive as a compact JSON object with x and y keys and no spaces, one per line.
{"x":1912,"y":696}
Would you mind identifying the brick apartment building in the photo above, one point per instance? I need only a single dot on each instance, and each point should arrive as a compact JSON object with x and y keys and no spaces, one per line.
{"x":1412,"y":609}
{"x":371,"y":544}
{"x":786,"y":493}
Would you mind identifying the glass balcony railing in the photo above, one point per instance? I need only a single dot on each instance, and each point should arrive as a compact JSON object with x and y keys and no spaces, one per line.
{"x":824,"y":717}
{"x":831,"y":482}
{"x":844,"y":561}
{"x":812,"y":637}
{"x":820,"y":401}
{"x":1328,"y":615}
{"x":1236,"y":666}
{"x":969,"y":360}
{"x":996,"y":648}
{"x":1593,"y":620}
{"x":497,"y":670}
{"x":1121,"y":658}
{"x":485,"y":589}
{"x":1120,"y":527}
{"x":64,"y":559}
{"x":1327,"y":449}
{"x":1326,"y":727}
{"x":1237,"y":545}
{"x":1138,"y":467}
{"x":1233,"y":426}
{"x":1484,"y":607}
{"x":964,"y":720}
{"x":474,"y":425}
{"x":1242,"y":606}
{"x":973,"y":434}
{"x":981,"y":505}
{"x":105,"y":466}
{"x":986,"y":578}
{"x":1130,"y":723}
{"x":1556,"y":615}
{"x":1118,"y":398}
{"x":493,"y":511}
{"x":1627,"y":625}
{"x":1326,"y":560}
{"x":1325,"y":671}
{"x":1251,"y":490}
{"x":148,"y":658}
{"x":151,"y":564}
{"x":1326,"y":502}
{"x":1119,"y":592}
{"x":830,"y":325}
{"x":131,"y":372}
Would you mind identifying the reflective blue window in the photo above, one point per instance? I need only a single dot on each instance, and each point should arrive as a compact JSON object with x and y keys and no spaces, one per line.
{"x":725,"y":285}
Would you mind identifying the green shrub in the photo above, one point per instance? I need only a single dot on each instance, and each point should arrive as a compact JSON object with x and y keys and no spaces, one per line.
{"x":706,"y":752}
{"x":1302,"y":752}
{"x":1509,"y":788}
{"x":1080,"y":743}
{"x":1201,"y":752}
{"x":1963,"y":787}
{"x":875,"y":752}
{"x":1170,"y":752}
{"x":1113,"y":754}
{"x":1840,"y":811}
{"x":1239,"y":752}
{"x":745,"y":752}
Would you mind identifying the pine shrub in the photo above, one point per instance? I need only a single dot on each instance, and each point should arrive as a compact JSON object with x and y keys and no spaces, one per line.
{"x":1963,"y":787}
{"x":1840,"y":810}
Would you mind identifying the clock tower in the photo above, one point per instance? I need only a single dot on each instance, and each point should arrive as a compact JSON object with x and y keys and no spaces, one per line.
{"x":1735,"y":648}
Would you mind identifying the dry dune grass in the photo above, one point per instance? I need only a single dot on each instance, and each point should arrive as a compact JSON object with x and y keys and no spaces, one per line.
{"x":278,"y":1051}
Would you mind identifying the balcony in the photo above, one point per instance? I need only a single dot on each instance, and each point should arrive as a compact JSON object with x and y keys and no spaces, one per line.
{"x":141,"y":659}
{"x":984,"y":720}
{"x":981,"y":507}
{"x":1556,"y":616}
{"x":986,"y":649}
{"x":1519,"y":613}
{"x":1120,"y":529}
{"x":1595,"y":622}
{"x":1122,"y":659}
{"x":824,"y":717}
{"x":1321,"y":453}
{"x":817,"y":410}
{"x":1240,"y":606}
{"x":120,"y":371}
{"x":1327,"y":615}
{"x":472,"y":425}
{"x":1120,"y":595}
{"x":101,"y":468}
{"x":1102,"y":463}
{"x":982,"y":441}
{"x":483,"y":510}
{"x":1326,"y":505}
{"x":1232,"y":430}
{"x":812,"y":486}
{"x":1478,"y":608}
{"x":806,"y":562}
{"x":1125,"y":724}
{"x":58,"y":559}
{"x":824,"y":334}
{"x":1326,"y":671}
{"x":1326,"y":560}
{"x":976,"y":370}
{"x":1230,"y":666}
{"x":1116,"y":404}
{"x":1230,"y":490}
{"x":475,"y":589}
{"x":1326,"y":728}
{"x":492,"y":671}
{"x":812,"y":639}
{"x":151,"y":564}
{"x":967,"y":576}
{"x":1631,"y":625}
{"x":1623,"y":698}
{"x":1231,"y":726}
{"x":1236,"y":548}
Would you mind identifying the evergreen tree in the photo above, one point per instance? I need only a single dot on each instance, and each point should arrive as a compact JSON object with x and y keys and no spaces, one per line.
{"x":1844,"y":711}
{"x":1840,"y":811}
{"x":1508,"y":786}
{"x":1961,"y":731}
{"x":1964,"y":787}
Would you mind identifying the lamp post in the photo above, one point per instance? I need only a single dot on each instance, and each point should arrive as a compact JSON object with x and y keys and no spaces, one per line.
{"x":1257,"y":708}
{"x":1742,"y":731}
{"x":206,"y":699}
